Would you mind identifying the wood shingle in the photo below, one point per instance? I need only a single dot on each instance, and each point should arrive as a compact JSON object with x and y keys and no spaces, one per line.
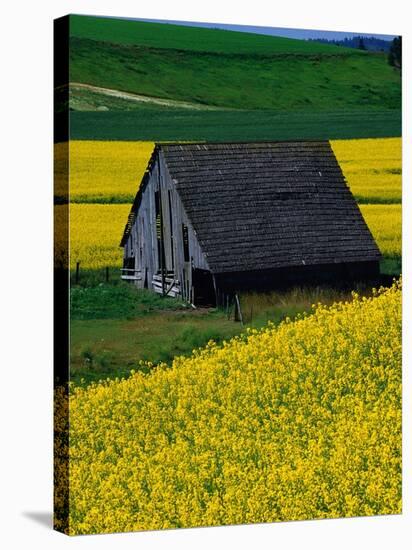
{"x":269,"y":205}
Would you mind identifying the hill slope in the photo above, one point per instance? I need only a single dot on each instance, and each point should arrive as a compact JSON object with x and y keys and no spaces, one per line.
{"x":198,"y":83}
{"x":241,"y":81}
{"x":227,"y":69}
{"x":159,"y":35}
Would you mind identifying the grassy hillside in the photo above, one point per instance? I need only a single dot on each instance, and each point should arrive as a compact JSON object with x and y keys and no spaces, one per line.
{"x":227,"y":69}
{"x":241,"y":81}
{"x":163,"y":82}
{"x":159,"y":35}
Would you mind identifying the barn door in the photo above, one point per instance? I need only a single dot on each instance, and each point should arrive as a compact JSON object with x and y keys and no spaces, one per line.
{"x":161,"y":259}
{"x":203,"y":288}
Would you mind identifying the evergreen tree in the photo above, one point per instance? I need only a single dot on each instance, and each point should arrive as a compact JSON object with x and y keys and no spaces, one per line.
{"x":395,"y":53}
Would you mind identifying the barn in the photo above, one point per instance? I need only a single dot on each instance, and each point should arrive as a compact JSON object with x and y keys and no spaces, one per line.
{"x":212,"y":219}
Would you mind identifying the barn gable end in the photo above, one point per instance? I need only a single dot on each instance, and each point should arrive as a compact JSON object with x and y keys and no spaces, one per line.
{"x":160,"y":245}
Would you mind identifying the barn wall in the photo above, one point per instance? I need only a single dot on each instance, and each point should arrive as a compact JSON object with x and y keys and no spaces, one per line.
{"x":272,"y":279}
{"x":142,"y":244}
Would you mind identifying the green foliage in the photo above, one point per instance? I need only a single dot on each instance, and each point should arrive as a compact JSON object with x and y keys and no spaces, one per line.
{"x":395,"y":53}
{"x":391,"y":265}
{"x":87,"y":355}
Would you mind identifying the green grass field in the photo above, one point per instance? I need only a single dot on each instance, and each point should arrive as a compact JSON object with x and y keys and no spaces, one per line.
{"x":243,"y":86}
{"x":181,"y":37}
{"x":114,"y":327}
{"x":251,"y":81}
{"x":105,"y":348}
{"x":226,"y":69}
{"x":177,"y":124}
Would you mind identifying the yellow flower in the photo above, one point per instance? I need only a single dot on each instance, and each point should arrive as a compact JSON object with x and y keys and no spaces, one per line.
{"x":292,"y":422}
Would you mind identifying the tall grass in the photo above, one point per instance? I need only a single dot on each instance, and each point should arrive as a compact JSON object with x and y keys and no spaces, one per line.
{"x":258,"y":308}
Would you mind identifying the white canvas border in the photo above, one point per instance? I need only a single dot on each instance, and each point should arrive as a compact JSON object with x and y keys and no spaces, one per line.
{"x":26,"y":275}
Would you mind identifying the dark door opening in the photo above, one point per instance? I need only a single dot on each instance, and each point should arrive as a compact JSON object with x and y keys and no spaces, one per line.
{"x":159,"y":232}
{"x":204,"y":290}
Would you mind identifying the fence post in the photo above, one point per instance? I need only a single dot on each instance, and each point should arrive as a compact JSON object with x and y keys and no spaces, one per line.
{"x":238,"y":311}
{"x":77,"y":272}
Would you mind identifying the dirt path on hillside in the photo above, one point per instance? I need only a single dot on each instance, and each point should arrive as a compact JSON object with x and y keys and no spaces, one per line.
{"x":142,"y":98}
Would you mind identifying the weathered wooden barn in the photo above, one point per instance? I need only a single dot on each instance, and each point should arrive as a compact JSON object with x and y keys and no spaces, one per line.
{"x":212,"y":219}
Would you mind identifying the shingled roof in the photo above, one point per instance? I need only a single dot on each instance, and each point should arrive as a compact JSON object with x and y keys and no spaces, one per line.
{"x":268,"y":205}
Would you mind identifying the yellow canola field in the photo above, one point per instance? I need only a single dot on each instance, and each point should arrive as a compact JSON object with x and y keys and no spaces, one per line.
{"x":95,"y":233}
{"x":385,"y":224}
{"x":96,"y":230}
{"x":301,"y":421}
{"x":372,"y":168}
{"x":110,"y":171}
{"x":103,"y":171}
{"x":107,"y":171}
